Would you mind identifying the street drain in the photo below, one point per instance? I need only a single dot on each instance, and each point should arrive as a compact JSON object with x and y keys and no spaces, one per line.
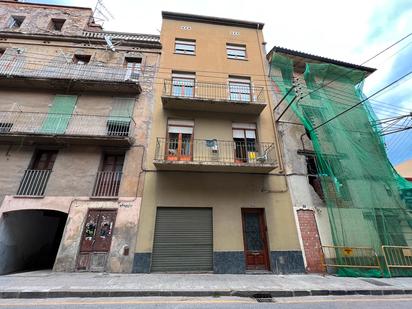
{"x":376,"y":282}
{"x":263,"y":298}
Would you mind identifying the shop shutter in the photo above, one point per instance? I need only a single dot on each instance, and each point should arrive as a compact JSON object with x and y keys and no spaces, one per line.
{"x":183,"y":240}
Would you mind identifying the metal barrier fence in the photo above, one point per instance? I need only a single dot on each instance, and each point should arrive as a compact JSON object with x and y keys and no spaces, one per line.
{"x":351,"y":257}
{"x":65,"y":124}
{"x":213,"y":91}
{"x":107,"y":184}
{"x":215,"y":151}
{"x":34,"y":182}
{"x":397,"y":257}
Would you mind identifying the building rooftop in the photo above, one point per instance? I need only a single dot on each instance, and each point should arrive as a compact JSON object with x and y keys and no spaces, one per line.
{"x":315,"y":58}
{"x":212,"y":20}
{"x":47,"y":5}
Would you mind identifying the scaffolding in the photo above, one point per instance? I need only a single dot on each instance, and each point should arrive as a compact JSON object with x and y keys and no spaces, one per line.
{"x":367,"y":200}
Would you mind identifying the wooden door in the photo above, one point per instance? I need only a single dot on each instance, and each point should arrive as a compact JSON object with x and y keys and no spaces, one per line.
{"x":44,"y":159}
{"x":96,"y":238}
{"x":110,"y":177}
{"x":179,"y":147}
{"x":255,"y":239}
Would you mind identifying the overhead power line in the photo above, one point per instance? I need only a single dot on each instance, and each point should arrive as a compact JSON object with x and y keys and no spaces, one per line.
{"x":362,"y":101}
{"x":366,"y":61}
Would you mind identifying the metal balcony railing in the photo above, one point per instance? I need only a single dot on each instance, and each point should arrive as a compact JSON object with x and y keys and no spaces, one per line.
{"x":34,"y":182}
{"x":216,"y":151}
{"x":214,"y":92}
{"x":65,"y":124}
{"x":107,"y":184}
{"x":17,"y":65}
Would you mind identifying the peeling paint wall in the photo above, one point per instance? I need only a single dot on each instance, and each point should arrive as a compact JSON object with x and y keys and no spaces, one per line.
{"x":124,"y":234}
{"x":70,"y":185}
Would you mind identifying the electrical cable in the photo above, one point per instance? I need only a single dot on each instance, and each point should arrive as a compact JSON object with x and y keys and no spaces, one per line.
{"x":362,"y":101}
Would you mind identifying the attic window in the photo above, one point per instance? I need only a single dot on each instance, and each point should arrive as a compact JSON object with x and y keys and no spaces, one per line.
{"x":57,"y":24}
{"x":81,"y":59}
{"x":15,"y":22}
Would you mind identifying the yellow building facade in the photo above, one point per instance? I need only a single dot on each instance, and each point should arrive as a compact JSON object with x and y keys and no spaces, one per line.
{"x":215,"y":196}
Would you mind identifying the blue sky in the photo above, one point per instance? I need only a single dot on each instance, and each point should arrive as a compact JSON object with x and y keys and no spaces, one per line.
{"x":350,"y":30}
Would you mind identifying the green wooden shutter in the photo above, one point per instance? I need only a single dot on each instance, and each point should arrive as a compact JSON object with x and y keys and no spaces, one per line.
{"x":122,"y":109}
{"x":118,"y":123}
{"x":59,"y":114}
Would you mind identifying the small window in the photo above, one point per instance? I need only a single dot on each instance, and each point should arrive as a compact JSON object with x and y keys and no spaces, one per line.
{"x":81,"y":59}
{"x":2,"y":51}
{"x":187,"y":47}
{"x":57,"y":24}
{"x":15,"y":22}
{"x":236,"y":51}
{"x":239,"y":89}
{"x":133,"y":67}
{"x":183,"y":84}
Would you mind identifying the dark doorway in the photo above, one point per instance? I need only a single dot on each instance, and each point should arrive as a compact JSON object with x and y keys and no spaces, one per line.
{"x":30,"y":239}
{"x":255,"y":239}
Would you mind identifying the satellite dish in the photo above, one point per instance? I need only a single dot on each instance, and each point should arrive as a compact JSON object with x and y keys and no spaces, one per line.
{"x":109,"y":43}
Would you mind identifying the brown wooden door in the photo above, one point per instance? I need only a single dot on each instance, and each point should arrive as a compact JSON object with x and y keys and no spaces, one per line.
{"x":44,"y":159}
{"x":96,"y":236}
{"x":179,"y":147}
{"x":255,"y":239}
{"x":109,"y":181}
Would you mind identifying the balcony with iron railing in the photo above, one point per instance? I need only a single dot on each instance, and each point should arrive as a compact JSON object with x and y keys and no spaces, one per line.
{"x":72,"y":128}
{"x":213,"y":97}
{"x":34,"y":182}
{"x":17,"y":70}
{"x":107,"y":184}
{"x":215,"y":155}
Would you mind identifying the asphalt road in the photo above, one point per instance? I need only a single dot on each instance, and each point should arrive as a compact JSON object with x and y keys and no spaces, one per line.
{"x":366,"y":302}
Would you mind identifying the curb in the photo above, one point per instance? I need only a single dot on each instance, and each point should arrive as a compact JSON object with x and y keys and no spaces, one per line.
{"x":214,"y":293}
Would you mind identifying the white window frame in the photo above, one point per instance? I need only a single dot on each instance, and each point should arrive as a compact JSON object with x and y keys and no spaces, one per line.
{"x":242,"y":87}
{"x":233,"y":51}
{"x":185,"y":46}
{"x":184,"y":80}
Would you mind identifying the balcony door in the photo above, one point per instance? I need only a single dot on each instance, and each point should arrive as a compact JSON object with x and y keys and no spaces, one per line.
{"x":59,"y":114}
{"x":133,"y":68}
{"x":183,"y":85}
{"x":35,"y":178}
{"x":239,"y":89}
{"x":244,"y":138}
{"x":109,"y":177}
{"x":179,"y":140}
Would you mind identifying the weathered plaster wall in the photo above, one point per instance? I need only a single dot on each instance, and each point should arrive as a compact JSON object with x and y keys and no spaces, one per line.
{"x":38,"y":18}
{"x":124,"y":234}
{"x":13,"y":161}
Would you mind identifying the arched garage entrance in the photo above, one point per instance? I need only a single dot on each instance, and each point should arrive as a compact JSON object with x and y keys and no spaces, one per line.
{"x":30,"y":239}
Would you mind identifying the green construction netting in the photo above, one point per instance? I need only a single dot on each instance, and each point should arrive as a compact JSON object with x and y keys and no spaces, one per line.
{"x":365,"y":197}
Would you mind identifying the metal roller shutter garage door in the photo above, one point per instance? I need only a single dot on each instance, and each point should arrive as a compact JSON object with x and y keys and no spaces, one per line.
{"x":183,"y":240}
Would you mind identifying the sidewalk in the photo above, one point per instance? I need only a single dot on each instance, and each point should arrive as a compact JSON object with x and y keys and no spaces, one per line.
{"x":43,"y":284}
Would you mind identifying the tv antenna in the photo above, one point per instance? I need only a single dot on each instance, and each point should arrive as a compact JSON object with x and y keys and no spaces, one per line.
{"x":101,"y":13}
